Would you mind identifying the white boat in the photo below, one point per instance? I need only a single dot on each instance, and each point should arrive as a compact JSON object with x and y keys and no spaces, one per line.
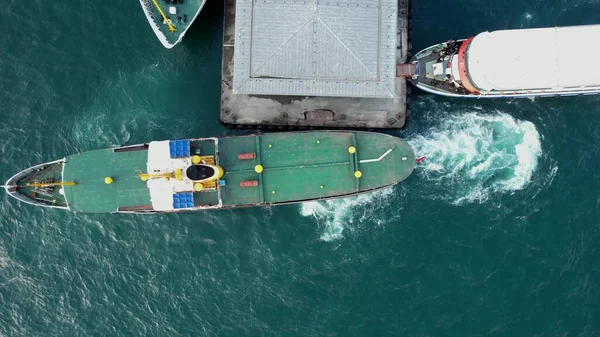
{"x":559,"y":61}
{"x":171,"y":19}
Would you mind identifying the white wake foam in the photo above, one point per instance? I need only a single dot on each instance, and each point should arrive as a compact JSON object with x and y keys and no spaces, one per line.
{"x":338,"y":215}
{"x":472,"y":155}
{"x":469,"y":158}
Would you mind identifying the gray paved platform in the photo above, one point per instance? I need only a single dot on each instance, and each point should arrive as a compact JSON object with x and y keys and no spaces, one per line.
{"x":301,"y":64}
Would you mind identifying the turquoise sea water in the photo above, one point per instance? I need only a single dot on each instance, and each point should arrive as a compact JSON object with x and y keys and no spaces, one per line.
{"x":496,"y":233}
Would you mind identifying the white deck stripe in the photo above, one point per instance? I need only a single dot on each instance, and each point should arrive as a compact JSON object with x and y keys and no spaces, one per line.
{"x":376,"y":160}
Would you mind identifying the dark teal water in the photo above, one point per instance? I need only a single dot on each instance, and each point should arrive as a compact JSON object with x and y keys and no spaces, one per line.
{"x":496,"y":233}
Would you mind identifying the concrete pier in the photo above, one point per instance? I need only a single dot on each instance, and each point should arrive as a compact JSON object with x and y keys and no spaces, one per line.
{"x":280,"y":85}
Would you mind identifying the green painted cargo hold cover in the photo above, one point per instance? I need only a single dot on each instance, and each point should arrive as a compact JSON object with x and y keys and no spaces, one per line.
{"x":311,"y":165}
{"x":227,"y":172}
{"x":92,"y":194}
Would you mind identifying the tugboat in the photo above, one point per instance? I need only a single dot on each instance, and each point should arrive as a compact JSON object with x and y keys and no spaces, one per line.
{"x":512,"y":63}
{"x":217,"y":173}
{"x":170,"y":19}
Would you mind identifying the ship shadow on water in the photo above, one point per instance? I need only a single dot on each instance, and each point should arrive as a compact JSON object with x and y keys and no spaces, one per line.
{"x":207,"y":24}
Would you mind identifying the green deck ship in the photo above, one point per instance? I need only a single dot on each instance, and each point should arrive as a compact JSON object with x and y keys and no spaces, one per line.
{"x":171,"y":19}
{"x":215,"y":173}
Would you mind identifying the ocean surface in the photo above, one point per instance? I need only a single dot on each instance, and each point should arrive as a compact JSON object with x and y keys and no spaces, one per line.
{"x":497,"y":232}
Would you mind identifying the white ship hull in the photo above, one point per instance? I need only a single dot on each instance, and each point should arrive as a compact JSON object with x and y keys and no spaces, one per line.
{"x":522,"y":63}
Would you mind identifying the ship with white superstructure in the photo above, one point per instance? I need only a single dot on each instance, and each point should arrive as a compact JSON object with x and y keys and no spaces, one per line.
{"x":559,"y":61}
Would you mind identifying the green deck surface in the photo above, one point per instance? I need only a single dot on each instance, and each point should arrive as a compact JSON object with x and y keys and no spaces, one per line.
{"x":297,"y":166}
{"x":203,"y":147}
{"x":91,"y":194}
{"x":188,"y":7}
{"x":310,"y":165}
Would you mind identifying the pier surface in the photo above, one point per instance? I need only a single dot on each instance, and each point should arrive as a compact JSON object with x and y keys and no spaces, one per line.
{"x":305,"y":64}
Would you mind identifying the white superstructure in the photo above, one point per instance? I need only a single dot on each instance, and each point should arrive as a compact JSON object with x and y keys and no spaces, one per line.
{"x":526,"y":59}
{"x":558,"y":61}
{"x":160,"y":162}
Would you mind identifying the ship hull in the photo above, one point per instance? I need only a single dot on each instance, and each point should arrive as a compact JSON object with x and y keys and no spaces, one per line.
{"x":244,"y":171}
{"x":437,"y":91}
{"x":492,"y":65}
{"x":259,"y":204}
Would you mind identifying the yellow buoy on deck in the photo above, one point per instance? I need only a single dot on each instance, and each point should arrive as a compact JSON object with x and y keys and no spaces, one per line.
{"x":258,"y":168}
{"x":108,"y":180}
{"x":352,"y":149}
{"x":196,"y":159}
{"x":357,"y":174}
{"x":198,"y":187}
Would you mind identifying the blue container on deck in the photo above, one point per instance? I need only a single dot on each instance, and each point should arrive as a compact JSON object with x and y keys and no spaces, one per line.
{"x":179,"y":148}
{"x":183,"y":200}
